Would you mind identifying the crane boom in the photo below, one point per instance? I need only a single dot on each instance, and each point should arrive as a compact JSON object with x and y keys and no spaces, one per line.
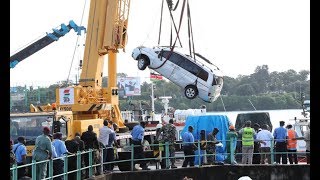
{"x":44,"y":41}
{"x":106,"y":34}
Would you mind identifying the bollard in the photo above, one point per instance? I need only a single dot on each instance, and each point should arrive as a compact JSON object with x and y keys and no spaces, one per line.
{"x":271,"y":149}
{"x":90,"y":162}
{"x":65,"y":168}
{"x":14,"y":172}
{"x":132,"y":157}
{"x":78,"y":165}
{"x":50,"y":168}
{"x":101,"y":161}
{"x":199,"y":153}
{"x":232,"y":150}
{"x":34,"y":170}
{"x":167,"y":154}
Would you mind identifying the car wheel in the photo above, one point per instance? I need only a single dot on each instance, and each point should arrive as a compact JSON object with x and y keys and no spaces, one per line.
{"x":191,"y":92}
{"x":143,"y":62}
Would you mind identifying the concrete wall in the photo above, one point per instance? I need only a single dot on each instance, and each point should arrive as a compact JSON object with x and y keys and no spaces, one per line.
{"x":228,"y":172}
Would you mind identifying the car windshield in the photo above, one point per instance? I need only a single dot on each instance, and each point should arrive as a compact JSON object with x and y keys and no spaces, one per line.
{"x":29,"y":126}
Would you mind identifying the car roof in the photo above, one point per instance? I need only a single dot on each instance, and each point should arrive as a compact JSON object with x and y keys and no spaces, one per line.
{"x":208,"y":67}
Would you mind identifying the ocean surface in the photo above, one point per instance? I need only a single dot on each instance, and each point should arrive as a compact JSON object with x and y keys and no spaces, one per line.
{"x":286,"y":115}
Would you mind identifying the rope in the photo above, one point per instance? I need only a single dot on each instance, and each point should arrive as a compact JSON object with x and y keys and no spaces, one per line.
{"x":75,"y":48}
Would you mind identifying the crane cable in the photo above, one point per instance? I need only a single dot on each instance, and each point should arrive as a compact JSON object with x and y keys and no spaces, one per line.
{"x":181,"y":17}
{"x":169,"y":3}
{"x":75,"y":48}
{"x":177,"y":31}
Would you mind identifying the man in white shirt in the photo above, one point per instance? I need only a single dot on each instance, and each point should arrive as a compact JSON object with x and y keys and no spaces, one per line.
{"x":265,"y":137}
{"x":104,"y":133}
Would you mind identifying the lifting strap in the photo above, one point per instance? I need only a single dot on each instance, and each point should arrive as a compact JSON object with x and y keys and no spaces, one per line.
{"x":177,"y":31}
{"x":181,"y":16}
{"x":169,"y":3}
{"x":160,"y":23}
{"x":190,"y":34}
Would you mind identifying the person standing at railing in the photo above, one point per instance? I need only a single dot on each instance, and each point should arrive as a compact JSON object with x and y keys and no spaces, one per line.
{"x":188,"y":147}
{"x":20,"y":151}
{"x":292,"y":145}
{"x":110,"y":148}
{"x":211,"y":146}
{"x":159,"y":148}
{"x":256,"y":146}
{"x":265,"y":137}
{"x":306,"y":138}
{"x":169,"y":135}
{"x":203,"y":147}
{"x":54,"y":155}
{"x":61,"y":151}
{"x":248,"y":134}
{"x":42,"y":151}
{"x":90,"y":142}
{"x":81,"y":149}
{"x":137,"y":134}
{"x":231,"y":139}
{"x":280,"y":136}
{"x":104,"y":134}
{"x":12,"y":155}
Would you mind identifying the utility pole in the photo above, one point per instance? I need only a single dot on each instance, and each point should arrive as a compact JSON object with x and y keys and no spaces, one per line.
{"x":152,"y":101}
{"x":165,"y":101}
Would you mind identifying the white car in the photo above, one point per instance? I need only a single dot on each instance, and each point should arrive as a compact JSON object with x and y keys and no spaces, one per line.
{"x":197,"y":79}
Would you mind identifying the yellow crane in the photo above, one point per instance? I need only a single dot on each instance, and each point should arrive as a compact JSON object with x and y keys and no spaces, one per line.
{"x":106,"y":34}
{"x":88,"y":103}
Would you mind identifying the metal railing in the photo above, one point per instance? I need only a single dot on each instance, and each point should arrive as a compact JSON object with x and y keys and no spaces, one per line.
{"x":80,"y":167}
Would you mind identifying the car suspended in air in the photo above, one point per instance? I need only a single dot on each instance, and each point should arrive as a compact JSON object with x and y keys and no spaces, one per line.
{"x":197,"y":79}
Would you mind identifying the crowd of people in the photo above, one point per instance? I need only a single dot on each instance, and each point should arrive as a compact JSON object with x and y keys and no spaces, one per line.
{"x":256,"y":139}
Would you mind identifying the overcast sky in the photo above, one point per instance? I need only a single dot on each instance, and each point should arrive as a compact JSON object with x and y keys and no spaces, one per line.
{"x":236,"y":35}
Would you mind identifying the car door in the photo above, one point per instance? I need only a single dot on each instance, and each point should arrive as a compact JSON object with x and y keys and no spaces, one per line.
{"x":188,"y":72}
{"x":167,"y":68}
{"x":180,"y":74}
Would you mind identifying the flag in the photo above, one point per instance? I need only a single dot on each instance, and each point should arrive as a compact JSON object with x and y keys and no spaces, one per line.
{"x":155,"y":76}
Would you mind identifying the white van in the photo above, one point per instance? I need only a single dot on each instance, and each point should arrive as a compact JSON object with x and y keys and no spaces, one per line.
{"x":196,"y":78}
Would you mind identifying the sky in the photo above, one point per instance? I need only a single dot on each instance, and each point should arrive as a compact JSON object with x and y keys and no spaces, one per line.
{"x":236,"y":35}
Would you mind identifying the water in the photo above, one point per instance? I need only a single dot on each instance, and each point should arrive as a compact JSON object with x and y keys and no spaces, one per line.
{"x":286,"y":115}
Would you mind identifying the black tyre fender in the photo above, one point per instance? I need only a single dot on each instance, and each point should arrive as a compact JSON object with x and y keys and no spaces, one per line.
{"x":191,"y":91}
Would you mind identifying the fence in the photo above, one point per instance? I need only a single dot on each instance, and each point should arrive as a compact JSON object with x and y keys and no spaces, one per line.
{"x":92,"y":165}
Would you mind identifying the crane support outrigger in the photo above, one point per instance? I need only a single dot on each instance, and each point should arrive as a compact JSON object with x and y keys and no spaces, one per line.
{"x":45,"y":41}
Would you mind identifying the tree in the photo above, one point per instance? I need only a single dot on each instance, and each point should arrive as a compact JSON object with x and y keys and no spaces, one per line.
{"x":262,"y":78}
{"x":244,"y":90}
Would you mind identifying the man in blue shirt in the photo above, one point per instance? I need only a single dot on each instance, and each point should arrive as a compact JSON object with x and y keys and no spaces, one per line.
{"x":280,"y":136}
{"x":137,"y":134}
{"x":20,"y":151}
{"x":188,"y":147}
{"x":61,"y":151}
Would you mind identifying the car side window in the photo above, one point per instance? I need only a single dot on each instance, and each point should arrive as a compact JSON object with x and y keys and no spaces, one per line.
{"x":203,"y":75}
{"x":191,"y":67}
{"x":175,"y":58}
{"x":194,"y":69}
{"x":217,"y":81}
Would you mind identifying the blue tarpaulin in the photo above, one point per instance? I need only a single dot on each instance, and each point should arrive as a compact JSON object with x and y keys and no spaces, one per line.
{"x":208,"y":123}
